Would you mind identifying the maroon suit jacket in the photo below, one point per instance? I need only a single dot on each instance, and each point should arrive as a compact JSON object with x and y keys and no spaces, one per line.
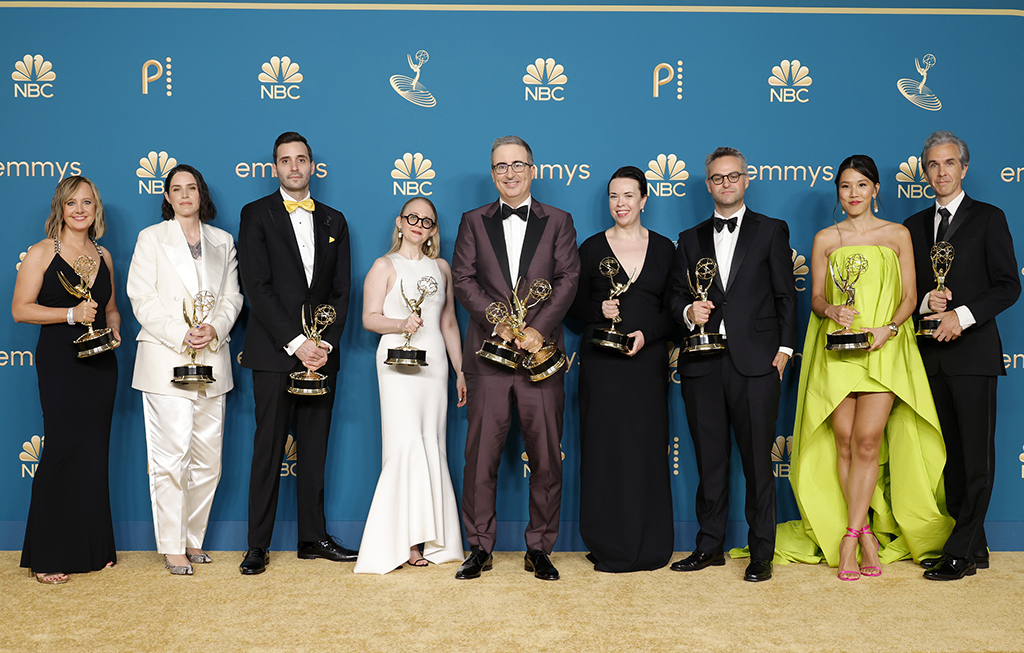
{"x":481,"y":275}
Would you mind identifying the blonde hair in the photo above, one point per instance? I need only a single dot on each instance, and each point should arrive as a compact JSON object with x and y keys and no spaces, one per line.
{"x":64,"y":191}
{"x":431,"y":247}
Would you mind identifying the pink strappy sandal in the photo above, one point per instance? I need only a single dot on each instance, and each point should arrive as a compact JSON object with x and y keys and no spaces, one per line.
{"x":870,"y":572}
{"x":845,"y":574}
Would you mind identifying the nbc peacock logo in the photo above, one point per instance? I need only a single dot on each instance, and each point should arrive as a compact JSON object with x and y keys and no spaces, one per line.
{"x":412,"y":174}
{"x":800,"y":270}
{"x":33,"y":77}
{"x":526,"y":463}
{"x":279,"y":79}
{"x":782,"y":450}
{"x":31,"y":453}
{"x":912,"y":182}
{"x":291,"y":457}
{"x":789,"y":82}
{"x":152,"y":170}
{"x":545,"y":80}
{"x":667,"y":174}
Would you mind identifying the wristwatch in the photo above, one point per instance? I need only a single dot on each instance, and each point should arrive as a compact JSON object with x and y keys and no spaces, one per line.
{"x":892,"y":327}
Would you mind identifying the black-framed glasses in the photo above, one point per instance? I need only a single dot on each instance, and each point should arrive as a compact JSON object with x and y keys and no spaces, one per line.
{"x":517,"y":167}
{"x":733,"y":177}
{"x":413,"y":220}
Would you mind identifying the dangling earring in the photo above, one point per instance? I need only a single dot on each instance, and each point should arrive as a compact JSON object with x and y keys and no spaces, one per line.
{"x":876,"y":204}
{"x":843,"y":211}
{"x":399,"y":234}
{"x":428,"y":242}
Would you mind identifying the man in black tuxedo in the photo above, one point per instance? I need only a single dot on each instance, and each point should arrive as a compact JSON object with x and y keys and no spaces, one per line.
{"x":293,"y":255}
{"x":752,"y":302}
{"x":965,"y":356}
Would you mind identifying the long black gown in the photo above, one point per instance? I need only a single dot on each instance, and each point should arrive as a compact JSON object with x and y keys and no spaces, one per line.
{"x":70,"y":529}
{"x":625,"y":493}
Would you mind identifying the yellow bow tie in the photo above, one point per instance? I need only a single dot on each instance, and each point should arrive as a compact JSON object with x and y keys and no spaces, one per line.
{"x":305,"y":204}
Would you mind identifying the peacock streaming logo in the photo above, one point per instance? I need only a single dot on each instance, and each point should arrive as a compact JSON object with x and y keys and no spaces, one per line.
{"x":412,"y":174}
{"x":790,"y":81}
{"x":279,"y":79}
{"x":31,"y":453}
{"x":153,"y":71}
{"x":33,"y":77}
{"x":665,"y":73}
{"x":911,"y":181}
{"x":545,"y":80}
{"x":152,"y":170}
{"x":667,"y":174}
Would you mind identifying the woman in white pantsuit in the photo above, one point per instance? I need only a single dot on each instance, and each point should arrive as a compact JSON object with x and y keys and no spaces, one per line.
{"x":173,"y":262}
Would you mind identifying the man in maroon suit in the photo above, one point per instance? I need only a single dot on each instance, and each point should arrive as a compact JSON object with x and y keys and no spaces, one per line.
{"x":498,"y":244}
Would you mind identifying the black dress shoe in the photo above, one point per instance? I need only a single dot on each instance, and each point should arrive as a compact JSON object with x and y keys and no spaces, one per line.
{"x":698,"y":560}
{"x":478,"y":561}
{"x":932,"y":563}
{"x":255,"y":561}
{"x":329,"y":549}
{"x":758,"y":570}
{"x":952,"y":569}
{"x":981,"y":559}
{"x":540,"y":564}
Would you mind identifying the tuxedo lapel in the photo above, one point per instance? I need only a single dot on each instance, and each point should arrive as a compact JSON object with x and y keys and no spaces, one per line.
{"x":534,"y":230}
{"x":962,"y":213}
{"x":746,"y":238}
{"x":176,"y":248}
{"x":214,"y":263}
{"x":706,"y":240}
{"x":321,"y":239}
{"x":283,"y":224}
{"x":495,"y":233}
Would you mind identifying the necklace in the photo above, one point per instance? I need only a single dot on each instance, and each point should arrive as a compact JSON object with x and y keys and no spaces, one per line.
{"x":197,"y":249}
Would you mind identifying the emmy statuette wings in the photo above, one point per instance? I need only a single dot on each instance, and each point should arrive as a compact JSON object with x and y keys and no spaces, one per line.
{"x":92,"y":342}
{"x":310,"y":383}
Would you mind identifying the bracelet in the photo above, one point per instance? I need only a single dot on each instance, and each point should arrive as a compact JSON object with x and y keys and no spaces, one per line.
{"x":71,"y":316}
{"x":895,"y":329}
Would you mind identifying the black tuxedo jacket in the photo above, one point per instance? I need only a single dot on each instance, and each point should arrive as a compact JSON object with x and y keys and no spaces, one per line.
{"x":983,"y":277}
{"x":758,"y":303}
{"x":274,"y":281}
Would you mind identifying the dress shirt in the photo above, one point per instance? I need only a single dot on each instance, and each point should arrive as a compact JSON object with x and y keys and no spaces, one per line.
{"x":964,"y":314}
{"x":515,"y":233}
{"x":302,"y":225}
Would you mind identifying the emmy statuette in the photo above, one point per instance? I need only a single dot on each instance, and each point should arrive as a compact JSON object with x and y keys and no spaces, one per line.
{"x":312,"y":383}
{"x":548,"y":359}
{"x":92,"y":342}
{"x":202,"y":306}
{"x":848,"y":338}
{"x":942,"y":259}
{"x":613,"y":338}
{"x":407,"y":354}
{"x":703,"y":343}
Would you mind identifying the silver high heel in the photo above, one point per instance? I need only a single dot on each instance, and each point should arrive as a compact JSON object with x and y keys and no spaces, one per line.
{"x":176,"y":570}
{"x":198,"y":558}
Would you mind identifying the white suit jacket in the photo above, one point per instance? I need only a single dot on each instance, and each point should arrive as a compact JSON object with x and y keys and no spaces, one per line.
{"x":163,"y":275}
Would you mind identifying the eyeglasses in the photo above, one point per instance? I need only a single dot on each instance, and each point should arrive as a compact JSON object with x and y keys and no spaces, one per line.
{"x":413,"y":220}
{"x":733,"y":177}
{"x":517,"y":166}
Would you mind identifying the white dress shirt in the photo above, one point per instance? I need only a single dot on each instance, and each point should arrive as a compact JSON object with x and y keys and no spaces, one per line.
{"x":964,"y":314}
{"x":515,"y":233}
{"x":302,"y":225}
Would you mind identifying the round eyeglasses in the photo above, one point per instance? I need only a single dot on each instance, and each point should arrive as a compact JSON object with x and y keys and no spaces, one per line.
{"x":413,"y":220}
{"x":733,"y":177}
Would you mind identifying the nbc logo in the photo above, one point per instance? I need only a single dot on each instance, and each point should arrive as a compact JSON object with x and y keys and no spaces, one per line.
{"x":411,"y":88}
{"x":526,"y":463}
{"x":673,"y":362}
{"x":800,"y":271}
{"x":669,"y":74}
{"x":152,"y":71}
{"x":668,"y":176}
{"x":280,"y":79}
{"x":544,"y":80}
{"x":789,"y":82}
{"x":912,"y":182}
{"x":915,"y":90}
{"x":32,"y":77}
{"x":411,"y":174}
{"x":782,"y":449}
{"x":291,"y":457}
{"x":151,"y":172}
{"x":31,"y":452}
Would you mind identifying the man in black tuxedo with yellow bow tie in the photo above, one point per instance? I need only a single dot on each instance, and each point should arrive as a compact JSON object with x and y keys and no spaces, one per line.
{"x":752,"y":302}
{"x":293,"y":255}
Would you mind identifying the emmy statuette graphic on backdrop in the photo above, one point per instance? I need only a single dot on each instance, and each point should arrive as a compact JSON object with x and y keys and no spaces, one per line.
{"x":202,"y":306}
{"x":92,"y":342}
{"x":942,"y":259}
{"x":847,"y":337}
{"x":407,"y":354}
{"x":312,"y":383}
{"x":703,"y":343}
{"x":512,"y":313}
{"x":411,"y":88}
{"x":613,"y":338}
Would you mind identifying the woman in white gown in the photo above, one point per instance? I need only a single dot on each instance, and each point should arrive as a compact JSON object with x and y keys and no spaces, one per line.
{"x":414,"y":503}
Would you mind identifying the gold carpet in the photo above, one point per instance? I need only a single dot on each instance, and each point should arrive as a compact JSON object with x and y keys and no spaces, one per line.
{"x":301,"y":605}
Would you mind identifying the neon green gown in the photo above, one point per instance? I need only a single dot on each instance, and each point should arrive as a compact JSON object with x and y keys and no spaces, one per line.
{"x":908,"y":508}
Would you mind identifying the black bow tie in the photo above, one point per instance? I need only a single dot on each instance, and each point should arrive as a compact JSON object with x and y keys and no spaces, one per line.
{"x":507,"y":211}
{"x":731,"y":223}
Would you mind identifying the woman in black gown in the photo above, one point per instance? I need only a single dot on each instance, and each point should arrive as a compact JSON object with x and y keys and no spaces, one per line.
{"x":69,"y":526}
{"x":625,"y":497}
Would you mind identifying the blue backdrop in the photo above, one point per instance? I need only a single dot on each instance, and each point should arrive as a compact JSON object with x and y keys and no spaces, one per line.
{"x":119,"y":92}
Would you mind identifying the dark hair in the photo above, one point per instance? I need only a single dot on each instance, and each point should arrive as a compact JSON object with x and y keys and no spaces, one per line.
{"x":718,"y":154}
{"x":630,"y":172}
{"x":207,"y":211}
{"x":861,"y":163}
{"x":291,"y":137}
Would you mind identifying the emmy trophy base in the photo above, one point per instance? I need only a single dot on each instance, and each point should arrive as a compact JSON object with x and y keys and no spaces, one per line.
{"x":548,"y":360}
{"x":612,"y":339}
{"x":307,"y":383}
{"x":406,"y":355}
{"x":96,"y":342}
{"x":500,"y":353}
{"x":844,"y":339}
{"x":193,"y":374}
{"x":704,"y":343}
{"x":927,"y":327}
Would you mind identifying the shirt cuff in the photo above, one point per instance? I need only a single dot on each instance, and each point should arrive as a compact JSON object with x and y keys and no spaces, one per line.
{"x":294,"y":344}
{"x":787,"y":351}
{"x":965,"y":316}
{"x":924,"y":309}
{"x":686,"y":320}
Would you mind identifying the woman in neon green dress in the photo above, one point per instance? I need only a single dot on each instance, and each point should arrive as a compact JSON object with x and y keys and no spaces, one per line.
{"x":867,"y":450}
